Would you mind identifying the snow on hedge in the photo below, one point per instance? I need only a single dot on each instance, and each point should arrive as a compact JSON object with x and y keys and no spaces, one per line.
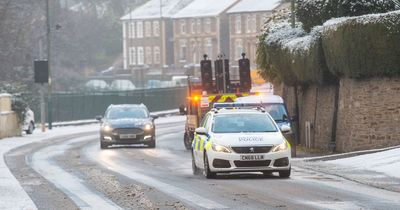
{"x":298,"y":40}
{"x":389,"y":17}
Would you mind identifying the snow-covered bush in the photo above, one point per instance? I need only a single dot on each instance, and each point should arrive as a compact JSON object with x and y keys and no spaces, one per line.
{"x":294,"y":56}
{"x":362,"y":7}
{"x":354,"y":47}
{"x":363,"y":47}
{"x":315,"y":12}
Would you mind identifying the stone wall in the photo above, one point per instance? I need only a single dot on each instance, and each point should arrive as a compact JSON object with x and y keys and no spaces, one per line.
{"x":9,"y":125}
{"x":368,"y":114}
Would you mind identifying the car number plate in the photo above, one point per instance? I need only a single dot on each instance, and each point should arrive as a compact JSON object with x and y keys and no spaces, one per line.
{"x":127,"y":136}
{"x":252,"y":157}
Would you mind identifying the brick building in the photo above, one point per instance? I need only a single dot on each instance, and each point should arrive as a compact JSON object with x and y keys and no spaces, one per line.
{"x":201,"y":28}
{"x":148,"y":35}
{"x":246,"y":20}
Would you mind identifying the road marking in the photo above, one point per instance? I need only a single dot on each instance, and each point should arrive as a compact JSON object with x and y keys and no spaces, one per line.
{"x":71,"y":185}
{"x":105,"y":159}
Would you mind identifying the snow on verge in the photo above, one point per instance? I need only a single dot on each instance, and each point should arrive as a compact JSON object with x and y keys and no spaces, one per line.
{"x":387,"y":162}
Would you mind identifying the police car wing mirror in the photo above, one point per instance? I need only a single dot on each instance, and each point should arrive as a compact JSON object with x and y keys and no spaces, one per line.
{"x":201,"y":131}
{"x":99,"y":118}
{"x":285,"y":129}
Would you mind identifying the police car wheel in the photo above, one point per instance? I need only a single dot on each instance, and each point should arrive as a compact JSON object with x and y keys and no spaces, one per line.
{"x":284,"y":174}
{"x":207,"y":173}
{"x":195,"y":169}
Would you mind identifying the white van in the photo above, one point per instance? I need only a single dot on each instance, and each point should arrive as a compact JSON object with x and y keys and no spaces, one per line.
{"x":273,"y":104}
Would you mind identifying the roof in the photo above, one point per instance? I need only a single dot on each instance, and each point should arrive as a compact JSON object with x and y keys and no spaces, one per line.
{"x":151,"y":9}
{"x":254,"y":6}
{"x":264,"y":99}
{"x":205,"y":8}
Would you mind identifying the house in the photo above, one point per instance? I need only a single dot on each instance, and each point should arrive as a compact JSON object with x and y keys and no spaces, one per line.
{"x":201,"y":28}
{"x":148,"y":35}
{"x":246,"y":20}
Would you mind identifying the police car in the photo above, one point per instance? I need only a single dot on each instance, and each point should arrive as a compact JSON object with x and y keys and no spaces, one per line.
{"x":240,"y":140}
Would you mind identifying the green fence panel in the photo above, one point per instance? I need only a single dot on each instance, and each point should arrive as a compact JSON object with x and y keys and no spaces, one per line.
{"x":79,"y":106}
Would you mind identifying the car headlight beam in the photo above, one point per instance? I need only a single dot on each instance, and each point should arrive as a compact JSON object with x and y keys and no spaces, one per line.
{"x":220,"y":148}
{"x":281,"y":147}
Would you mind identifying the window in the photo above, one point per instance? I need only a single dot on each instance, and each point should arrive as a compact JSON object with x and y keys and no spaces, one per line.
{"x":194,"y":51}
{"x":238,"y":48}
{"x":208,"y":48}
{"x":140,"y":60}
{"x":156,"y":28}
{"x":149,"y":55}
{"x":132,"y":56}
{"x":207,"y":25}
{"x":198,"y":26}
{"x":147,"y":28}
{"x":182,"y":49}
{"x":131,"y":30}
{"x":183,"y":26}
{"x":139,"y":29}
{"x":248,"y":23}
{"x":203,"y":123}
{"x":253,"y":25}
{"x":193,"y":26}
{"x":238,"y":24}
{"x":157,"y":57}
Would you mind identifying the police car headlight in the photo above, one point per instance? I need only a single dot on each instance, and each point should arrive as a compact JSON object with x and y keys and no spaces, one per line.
{"x":281,"y":147}
{"x":220,"y":148}
{"x":148,"y":126}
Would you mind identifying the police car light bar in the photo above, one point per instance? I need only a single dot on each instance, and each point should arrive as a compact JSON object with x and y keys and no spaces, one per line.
{"x":235,"y":105}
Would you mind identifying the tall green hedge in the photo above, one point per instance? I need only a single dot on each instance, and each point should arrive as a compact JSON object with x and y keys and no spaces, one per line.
{"x":315,"y":12}
{"x":358,"y":47}
{"x":362,"y":47}
{"x":293,"y":58}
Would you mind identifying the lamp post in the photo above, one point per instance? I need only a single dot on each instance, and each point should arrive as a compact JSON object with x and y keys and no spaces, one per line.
{"x":49,"y":102}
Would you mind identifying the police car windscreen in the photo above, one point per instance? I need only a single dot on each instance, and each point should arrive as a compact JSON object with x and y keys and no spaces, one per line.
{"x":237,"y":123}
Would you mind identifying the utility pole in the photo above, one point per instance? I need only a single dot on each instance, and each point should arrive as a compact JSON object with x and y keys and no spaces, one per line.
{"x":293,"y":17}
{"x":49,"y":102}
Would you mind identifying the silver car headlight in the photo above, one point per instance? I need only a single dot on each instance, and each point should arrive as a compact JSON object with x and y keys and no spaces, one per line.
{"x":148,"y":126}
{"x":281,"y":147}
{"x":107,"y":128}
{"x":220,"y":148}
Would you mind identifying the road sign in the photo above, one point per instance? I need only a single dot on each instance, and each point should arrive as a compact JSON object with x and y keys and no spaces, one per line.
{"x":204,"y":102}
